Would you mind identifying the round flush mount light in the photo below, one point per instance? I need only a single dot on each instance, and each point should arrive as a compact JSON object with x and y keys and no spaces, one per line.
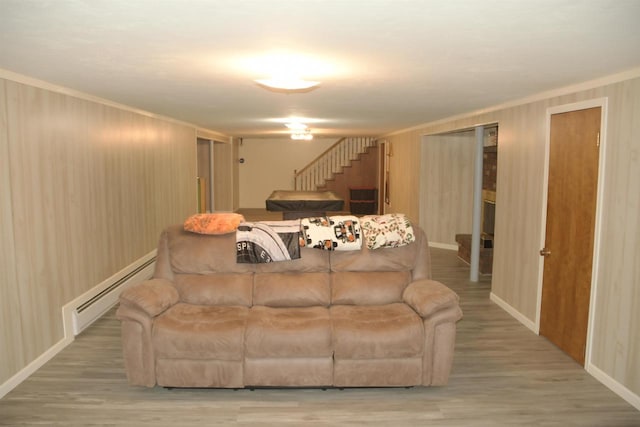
{"x":288,"y":84}
{"x":288,"y":72}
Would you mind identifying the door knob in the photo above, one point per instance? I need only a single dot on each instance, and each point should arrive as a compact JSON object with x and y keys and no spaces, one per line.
{"x":545,"y":252}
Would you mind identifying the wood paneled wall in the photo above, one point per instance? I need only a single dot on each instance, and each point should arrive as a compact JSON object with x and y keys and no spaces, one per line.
{"x":519,"y":210}
{"x":446,"y":185}
{"x":616,"y":344}
{"x":11,"y":349}
{"x":404,"y":167}
{"x":85,"y":190}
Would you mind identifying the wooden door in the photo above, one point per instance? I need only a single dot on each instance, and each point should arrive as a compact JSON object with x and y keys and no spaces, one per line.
{"x":571,"y":206}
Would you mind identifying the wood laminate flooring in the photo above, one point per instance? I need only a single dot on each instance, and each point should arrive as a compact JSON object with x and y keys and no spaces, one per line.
{"x":503,"y":375}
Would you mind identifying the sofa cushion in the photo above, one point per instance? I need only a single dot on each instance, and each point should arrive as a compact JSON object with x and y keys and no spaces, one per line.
{"x":376,"y":332}
{"x":288,"y":332}
{"x":200,"y":332}
{"x":368,"y":287}
{"x":215,"y":289}
{"x":292,"y":289}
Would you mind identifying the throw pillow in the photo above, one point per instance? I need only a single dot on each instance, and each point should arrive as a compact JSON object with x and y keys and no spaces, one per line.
{"x":213,"y":223}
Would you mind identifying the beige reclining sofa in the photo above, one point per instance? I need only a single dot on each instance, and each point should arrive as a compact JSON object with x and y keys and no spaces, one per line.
{"x":366,"y":318}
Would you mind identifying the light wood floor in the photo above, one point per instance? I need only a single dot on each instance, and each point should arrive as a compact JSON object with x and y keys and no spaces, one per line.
{"x":503,"y":375}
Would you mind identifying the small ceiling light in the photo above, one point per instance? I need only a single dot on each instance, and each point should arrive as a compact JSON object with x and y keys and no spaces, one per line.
{"x":302,"y":136}
{"x":296,"y":126}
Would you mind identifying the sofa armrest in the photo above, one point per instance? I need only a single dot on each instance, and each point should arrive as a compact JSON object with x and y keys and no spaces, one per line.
{"x":439,"y":308}
{"x":427,"y":297}
{"x":139,"y":304}
{"x":152,"y":297}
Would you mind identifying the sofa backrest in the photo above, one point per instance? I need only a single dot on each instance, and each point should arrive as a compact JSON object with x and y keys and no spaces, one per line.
{"x":378,"y":276}
{"x":204,"y":268}
{"x":302,"y":282}
{"x":205,"y":272}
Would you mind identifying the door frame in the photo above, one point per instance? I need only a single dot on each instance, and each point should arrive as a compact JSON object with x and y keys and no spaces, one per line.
{"x":583,"y":105}
{"x":211,"y":178}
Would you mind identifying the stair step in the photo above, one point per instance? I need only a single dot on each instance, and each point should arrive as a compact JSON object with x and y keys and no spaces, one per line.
{"x":359,"y":149}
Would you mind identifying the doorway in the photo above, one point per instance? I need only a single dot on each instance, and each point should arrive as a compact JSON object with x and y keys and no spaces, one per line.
{"x":450,"y":194}
{"x":383,"y":175}
{"x":570,"y":232}
{"x":205,"y":175}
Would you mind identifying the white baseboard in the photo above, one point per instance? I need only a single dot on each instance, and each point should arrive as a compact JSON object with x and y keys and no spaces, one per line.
{"x":25,"y":372}
{"x":91,"y":305}
{"x":619,"y":389}
{"x":447,"y":246}
{"x":513,"y":312}
{"x":596,"y":372}
{"x":69,"y":321}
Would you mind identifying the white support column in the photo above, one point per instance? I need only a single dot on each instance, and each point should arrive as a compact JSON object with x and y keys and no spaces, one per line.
{"x":477,"y":205}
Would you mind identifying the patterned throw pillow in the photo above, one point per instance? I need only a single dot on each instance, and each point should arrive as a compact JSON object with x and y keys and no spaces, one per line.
{"x":387,"y":231}
{"x":213,"y":223}
{"x":332,"y":233}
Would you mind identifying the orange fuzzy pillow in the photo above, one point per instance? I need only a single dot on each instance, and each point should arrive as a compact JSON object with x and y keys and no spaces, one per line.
{"x":213,"y":223}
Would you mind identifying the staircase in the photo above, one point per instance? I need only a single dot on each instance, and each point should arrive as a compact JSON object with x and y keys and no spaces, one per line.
{"x":349,"y":163}
{"x":315,"y":175}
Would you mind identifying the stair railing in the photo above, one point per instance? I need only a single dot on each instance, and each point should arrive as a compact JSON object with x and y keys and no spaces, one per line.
{"x":330,"y":162}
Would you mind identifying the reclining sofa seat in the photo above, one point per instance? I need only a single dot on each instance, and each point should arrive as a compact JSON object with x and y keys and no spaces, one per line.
{"x":344,"y":319}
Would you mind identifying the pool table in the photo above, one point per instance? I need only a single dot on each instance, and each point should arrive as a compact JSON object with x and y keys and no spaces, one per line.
{"x":301,"y":204}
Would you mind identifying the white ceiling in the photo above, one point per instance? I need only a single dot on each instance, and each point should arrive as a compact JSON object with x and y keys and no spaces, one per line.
{"x":398,"y":63}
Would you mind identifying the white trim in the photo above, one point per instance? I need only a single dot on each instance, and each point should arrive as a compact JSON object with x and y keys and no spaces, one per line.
{"x":447,"y":246}
{"x":68,"y":311}
{"x":597,"y":232}
{"x":212,"y":174}
{"x":619,"y":389}
{"x":578,"y":87}
{"x":615,"y":386}
{"x":213,"y":136}
{"x":110,"y":299}
{"x":543,"y":217}
{"x":513,"y":312}
{"x":32,"y":367}
{"x":128,"y":277}
{"x":592,"y":103}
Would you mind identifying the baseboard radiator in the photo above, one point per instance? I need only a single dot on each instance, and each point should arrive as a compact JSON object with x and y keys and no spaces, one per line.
{"x":103,"y":297}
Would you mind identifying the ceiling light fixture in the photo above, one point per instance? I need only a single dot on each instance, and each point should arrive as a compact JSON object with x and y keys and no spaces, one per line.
{"x":284,"y":71}
{"x":288,"y":84}
{"x":302,"y":136}
{"x":296,"y":126}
